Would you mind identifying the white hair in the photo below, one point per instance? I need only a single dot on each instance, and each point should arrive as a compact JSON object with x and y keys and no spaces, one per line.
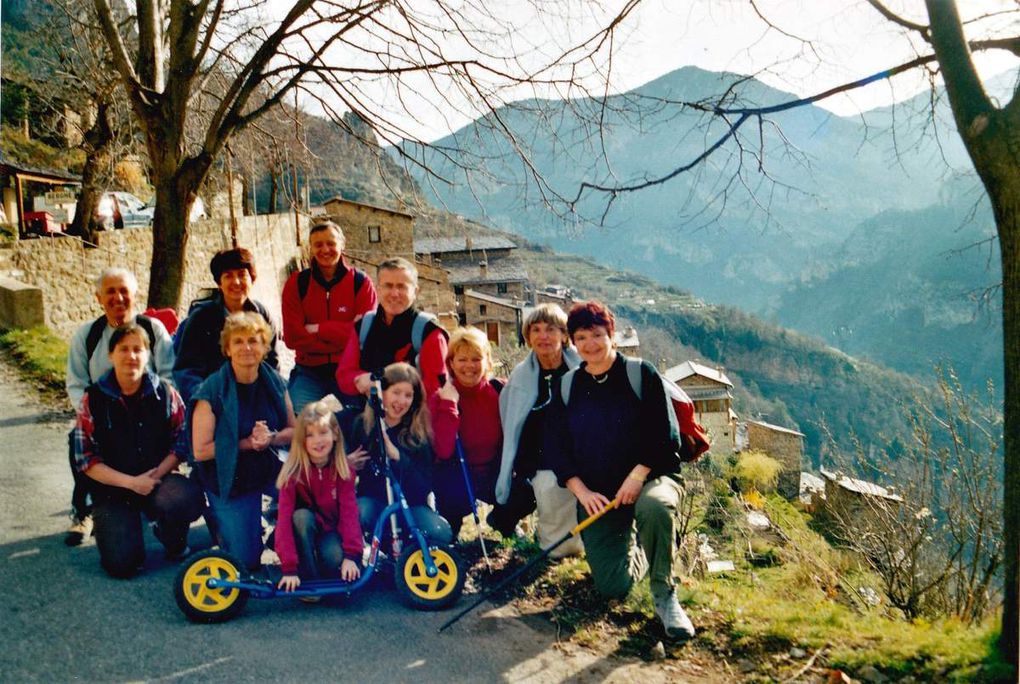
{"x":117,"y":272}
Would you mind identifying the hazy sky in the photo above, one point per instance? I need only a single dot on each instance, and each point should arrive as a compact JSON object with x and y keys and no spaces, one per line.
{"x":818,"y":44}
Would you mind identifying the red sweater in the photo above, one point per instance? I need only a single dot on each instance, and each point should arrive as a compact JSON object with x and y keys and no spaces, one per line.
{"x":475,"y":418}
{"x":333,"y":306}
{"x":337,"y":510}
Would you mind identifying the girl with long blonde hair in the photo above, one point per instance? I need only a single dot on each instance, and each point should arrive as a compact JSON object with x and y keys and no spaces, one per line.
{"x":318,"y":533}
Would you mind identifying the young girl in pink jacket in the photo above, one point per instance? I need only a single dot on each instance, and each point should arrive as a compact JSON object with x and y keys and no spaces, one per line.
{"x":318,"y":534}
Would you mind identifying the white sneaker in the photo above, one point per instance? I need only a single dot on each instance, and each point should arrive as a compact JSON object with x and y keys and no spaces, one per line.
{"x":79,"y":531}
{"x":674,"y":619}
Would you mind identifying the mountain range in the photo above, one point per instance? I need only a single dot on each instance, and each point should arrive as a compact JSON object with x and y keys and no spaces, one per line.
{"x":842,"y":212}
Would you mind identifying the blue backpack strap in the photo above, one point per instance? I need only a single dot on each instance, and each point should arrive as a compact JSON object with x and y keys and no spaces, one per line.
{"x":366,"y":325}
{"x":421,"y":320}
{"x":633,"y":365}
{"x":566,"y":382}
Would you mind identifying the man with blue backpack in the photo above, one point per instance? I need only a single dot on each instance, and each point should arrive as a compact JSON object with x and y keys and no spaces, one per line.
{"x":395,"y":331}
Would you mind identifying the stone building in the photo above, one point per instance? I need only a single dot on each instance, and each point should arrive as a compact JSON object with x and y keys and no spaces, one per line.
{"x":783,"y":444}
{"x":711,"y":392}
{"x":626,"y":341}
{"x":505,"y":278}
{"x":500,"y":318}
{"x":847,"y":498}
{"x":375,"y":234}
{"x":554,"y":294}
{"x":473,"y":248}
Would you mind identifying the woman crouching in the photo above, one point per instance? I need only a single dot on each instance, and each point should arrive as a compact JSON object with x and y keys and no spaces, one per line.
{"x":240,"y":414}
{"x":613,"y":444}
{"x":127,"y":440}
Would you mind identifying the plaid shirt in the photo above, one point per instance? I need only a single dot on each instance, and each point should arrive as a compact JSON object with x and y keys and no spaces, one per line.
{"x":85,"y":454}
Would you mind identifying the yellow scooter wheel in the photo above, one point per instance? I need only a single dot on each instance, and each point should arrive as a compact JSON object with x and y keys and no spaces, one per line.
{"x":200,"y":602}
{"x":430,"y":593}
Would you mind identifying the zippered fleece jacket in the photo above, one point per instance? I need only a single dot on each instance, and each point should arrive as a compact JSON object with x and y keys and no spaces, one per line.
{"x":335,"y":508}
{"x":333,"y":305}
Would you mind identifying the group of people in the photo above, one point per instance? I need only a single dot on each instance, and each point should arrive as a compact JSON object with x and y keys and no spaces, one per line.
{"x":576,"y":427}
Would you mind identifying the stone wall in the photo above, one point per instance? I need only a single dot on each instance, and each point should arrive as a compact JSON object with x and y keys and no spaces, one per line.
{"x":64,"y":269}
{"x":783,"y":445}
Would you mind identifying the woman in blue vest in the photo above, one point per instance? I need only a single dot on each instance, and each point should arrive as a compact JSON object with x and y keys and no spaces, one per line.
{"x":239,"y":416}
{"x":127,"y":439}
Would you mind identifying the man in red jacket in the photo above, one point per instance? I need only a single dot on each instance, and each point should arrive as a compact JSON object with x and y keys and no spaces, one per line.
{"x":321,"y":304}
{"x":394,"y":332}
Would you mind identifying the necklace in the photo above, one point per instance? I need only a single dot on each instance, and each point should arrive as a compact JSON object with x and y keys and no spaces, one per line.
{"x":600,"y":379}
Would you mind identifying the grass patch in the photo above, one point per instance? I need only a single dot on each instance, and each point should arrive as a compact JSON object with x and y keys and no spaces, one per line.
{"x":40,"y":354}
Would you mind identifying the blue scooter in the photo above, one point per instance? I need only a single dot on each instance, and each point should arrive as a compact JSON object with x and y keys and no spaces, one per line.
{"x":213,"y":586}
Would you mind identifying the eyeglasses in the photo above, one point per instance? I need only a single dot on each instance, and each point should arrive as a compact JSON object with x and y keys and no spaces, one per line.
{"x":548,"y":398}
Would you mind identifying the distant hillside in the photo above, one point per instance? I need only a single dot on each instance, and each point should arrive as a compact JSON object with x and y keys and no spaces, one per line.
{"x":909,"y":289}
{"x":780,"y":375}
{"x":700,"y":231}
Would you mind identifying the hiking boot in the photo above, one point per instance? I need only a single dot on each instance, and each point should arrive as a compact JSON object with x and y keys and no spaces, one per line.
{"x":674,"y":619}
{"x":79,"y":531}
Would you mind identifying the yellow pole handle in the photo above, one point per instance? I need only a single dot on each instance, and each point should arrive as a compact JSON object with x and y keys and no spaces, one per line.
{"x":594,"y":516}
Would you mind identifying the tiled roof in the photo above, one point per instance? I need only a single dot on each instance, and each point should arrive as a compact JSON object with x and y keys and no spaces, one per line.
{"x":776,"y":428}
{"x":390,"y":210}
{"x":442,"y":245}
{"x":466,"y":270}
{"x":626,"y":338}
{"x":485,"y":297}
{"x":689,"y":368}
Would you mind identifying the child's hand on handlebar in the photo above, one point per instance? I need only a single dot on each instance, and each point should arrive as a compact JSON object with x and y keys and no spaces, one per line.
{"x":289,"y":582}
{"x":349,"y":570}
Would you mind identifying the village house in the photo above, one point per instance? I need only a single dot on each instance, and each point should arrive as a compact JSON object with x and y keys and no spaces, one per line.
{"x":626,"y":341}
{"x":554,"y":294}
{"x":499,"y":318}
{"x":375,"y":234}
{"x":847,"y":498}
{"x":711,"y":392}
{"x":783,"y":444}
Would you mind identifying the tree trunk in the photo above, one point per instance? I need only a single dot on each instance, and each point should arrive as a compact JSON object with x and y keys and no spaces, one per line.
{"x":1007,"y":218}
{"x":169,"y":242}
{"x":97,"y":143}
{"x":274,"y":191}
{"x":246,"y":205}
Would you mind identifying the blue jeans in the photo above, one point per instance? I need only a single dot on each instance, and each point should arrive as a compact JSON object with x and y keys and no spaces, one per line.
{"x":239,"y":525}
{"x":431,"y":523}
{"x":320,"y":552}
{"x":308,"y":384}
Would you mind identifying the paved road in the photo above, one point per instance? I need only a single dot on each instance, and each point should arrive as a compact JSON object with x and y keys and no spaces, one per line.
{"x":64,"y":620}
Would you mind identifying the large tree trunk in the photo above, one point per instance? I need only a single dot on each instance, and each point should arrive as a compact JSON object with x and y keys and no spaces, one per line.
{"x":169,"y":242}
{"x":97,"y":141}
{"x":1007,"y":217}
{"x":274,"y":191}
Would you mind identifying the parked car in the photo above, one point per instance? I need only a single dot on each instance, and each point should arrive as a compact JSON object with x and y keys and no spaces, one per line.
{"x":118,"y":210}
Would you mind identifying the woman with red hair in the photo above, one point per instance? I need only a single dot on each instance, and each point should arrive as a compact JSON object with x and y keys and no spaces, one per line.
{"x":618,"y":443}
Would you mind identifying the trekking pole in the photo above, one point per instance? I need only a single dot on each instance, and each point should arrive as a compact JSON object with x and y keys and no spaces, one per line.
{"x":471,"y":500}
{"x":375,"y":398}
{"x":572,"y":533}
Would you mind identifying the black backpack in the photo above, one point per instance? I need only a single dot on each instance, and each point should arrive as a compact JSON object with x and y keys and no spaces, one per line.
{"x":99,"y":325}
